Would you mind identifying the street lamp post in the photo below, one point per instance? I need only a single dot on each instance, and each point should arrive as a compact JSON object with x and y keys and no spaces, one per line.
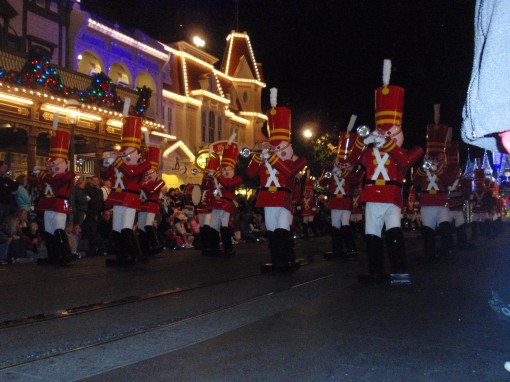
{"x":72,"y":118}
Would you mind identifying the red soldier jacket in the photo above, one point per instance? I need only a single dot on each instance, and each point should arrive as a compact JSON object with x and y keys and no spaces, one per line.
{"x":460,"y":191}
{"x":385,"y":170}
{"x":207,"y":187}
{"x":149,"y":196}
{"x":433,"y":187}
{"x":308,"y":205}
{"x":223,"y":193}
{"x":480,"y":203}
{"x":341,"y":189}
{"x":276,"y":180}
{"x":56,"y":190}
{"x":127,"y":183}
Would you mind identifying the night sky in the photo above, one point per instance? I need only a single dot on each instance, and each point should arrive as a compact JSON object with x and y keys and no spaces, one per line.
{"x":326,"y":57}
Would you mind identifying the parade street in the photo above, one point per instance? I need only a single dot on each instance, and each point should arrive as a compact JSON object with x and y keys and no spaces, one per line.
{"x":184,"y":317}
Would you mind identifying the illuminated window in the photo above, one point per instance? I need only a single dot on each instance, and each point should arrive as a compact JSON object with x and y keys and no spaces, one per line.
{"x":204,"y":127}
{"x":220,"y":128}
{"x":212,"y":126}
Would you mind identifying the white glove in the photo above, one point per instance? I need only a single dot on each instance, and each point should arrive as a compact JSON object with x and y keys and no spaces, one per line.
{"x":379,"y":141}
{"x":210,"y":173}
{"x":107,"y":162}
{"x":265,"y":155}
{"x":36,"y":171}
{"x":369,"y":140}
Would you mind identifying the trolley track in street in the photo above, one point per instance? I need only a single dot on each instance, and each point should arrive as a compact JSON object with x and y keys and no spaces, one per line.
{"x":119,"y":336}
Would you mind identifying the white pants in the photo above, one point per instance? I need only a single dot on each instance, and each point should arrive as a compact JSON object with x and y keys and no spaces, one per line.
{"x":54,"y":220}
{"x":340,"y":218}
{"x":277,"y":217}
{"x":204,"y":219}
{"x":379,"y":214}
{"x":145,"y":219}
{"x":219,"y":218}
{"x":123,"y":217}
{"x":432,"y":216}
{"x":458,"y":216}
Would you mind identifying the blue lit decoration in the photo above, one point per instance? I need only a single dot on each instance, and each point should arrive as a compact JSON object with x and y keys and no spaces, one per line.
{"x":38,"y":73}
{"x":486,"y":166}
{"x":470,"y":166}
{"x":143,"y":102}
{"x":102,"y":92}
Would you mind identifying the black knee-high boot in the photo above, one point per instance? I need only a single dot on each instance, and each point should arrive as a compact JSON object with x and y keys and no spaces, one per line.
{"x":226,"y":238}
{"x":143,"y":239}
{"x":214,"y":238}
{"x":134,"y":250}
{"x":155,"y":245}
{"x":475,"y":228}
{"x":53,"y":250}
{"x":350,"y":243}
{"x":375,"y":253}
{"x":462,"y":239}
{"x":445,"y":232}
{"x":396,"y":250}
{"x":205,"y":240}
{"x":285,"y":260}
{"x":305,"y":231}
{"x":270,"y":244}
{"x":62,"y":243}
{"x":429,"y":244}
{"x":337,"y":251}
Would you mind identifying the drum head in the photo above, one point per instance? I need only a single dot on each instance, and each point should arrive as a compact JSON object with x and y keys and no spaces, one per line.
{"x":196,"y":195}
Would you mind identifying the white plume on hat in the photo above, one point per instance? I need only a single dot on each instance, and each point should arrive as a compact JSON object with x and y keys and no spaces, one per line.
{"x":273,"y":94}
{"x":386,"y":72}
{"x":352,"y":122}
{"x":437,"y":113}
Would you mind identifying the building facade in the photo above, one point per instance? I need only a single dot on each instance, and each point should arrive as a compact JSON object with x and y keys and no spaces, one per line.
{"x":196,"y":99}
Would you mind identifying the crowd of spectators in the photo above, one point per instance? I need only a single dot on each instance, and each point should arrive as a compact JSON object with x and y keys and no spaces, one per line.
{"x":89,"y":232}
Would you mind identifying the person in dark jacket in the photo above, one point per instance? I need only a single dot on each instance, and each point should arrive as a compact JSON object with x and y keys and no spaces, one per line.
{"x":7,"y":187}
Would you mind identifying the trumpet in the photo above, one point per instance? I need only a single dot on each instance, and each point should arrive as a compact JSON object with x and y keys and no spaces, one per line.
{"x":197,"y":171}
{"x":363,"y":131}
{"x":245,"y":152}
{"x":429,"y":165}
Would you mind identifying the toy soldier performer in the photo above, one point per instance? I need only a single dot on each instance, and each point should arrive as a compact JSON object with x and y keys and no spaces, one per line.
{"x":386,"y":163}
{"x":342,"y":182}
{"x":432,"y":181}
{"x":208,"y":237}
{"x":277,"y":168}
{"x":308,"y":206}
{"x":458,"y":193}
{"x":149,"y":199}
{"x":126,"y":169}
{"x":56,"y":185}
{"x":480,"y":204}
{"x":221,"y":203}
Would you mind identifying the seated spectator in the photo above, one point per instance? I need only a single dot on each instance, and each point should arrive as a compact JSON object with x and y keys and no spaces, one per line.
{"x":103,"y":240}
{"x":17,"y":252}
{"x":22,"y":195}
{"x":34,"y":241}
{"x":24,"y":218}
{"x":255,"y":229}
{"x":78,"y":245}
{"x":182,"y":229}
{"x":166,"y":233}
